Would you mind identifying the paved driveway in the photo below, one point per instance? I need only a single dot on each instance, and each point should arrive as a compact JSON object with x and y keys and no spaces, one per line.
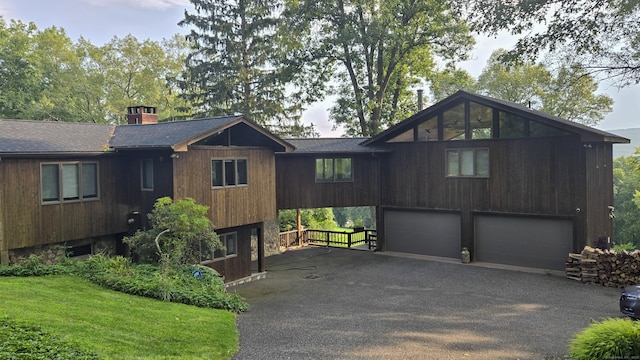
{"x":324,"y":303}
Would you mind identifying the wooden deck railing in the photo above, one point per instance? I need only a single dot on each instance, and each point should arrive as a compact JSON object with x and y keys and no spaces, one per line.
{"x":345,"y":239}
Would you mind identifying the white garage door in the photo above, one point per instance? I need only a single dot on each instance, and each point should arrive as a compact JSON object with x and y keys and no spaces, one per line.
{"x":425,"y":233}
{"x":523,"y":241}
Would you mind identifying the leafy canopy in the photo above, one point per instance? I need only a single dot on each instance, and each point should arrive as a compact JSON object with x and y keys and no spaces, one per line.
{"x":376,"y":51}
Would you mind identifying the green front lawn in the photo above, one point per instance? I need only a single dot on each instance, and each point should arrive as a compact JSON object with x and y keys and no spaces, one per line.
{"x":115,"y":325}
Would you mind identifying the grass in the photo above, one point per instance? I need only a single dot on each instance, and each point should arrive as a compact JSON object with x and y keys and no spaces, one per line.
{"x":115,"y":325}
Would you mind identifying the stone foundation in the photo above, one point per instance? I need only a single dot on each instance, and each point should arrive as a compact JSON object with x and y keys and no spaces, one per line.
{"x":53,"y":253}
{"x":271,"y":240}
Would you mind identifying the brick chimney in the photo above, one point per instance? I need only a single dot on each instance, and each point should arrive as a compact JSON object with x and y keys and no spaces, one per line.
{"x":142,"y":115}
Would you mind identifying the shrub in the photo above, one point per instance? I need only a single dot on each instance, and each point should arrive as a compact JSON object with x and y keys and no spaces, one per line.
{"x":22,"y":341}
{"x":608,"y":339}
{"x":182,"y":230}
{"x":33,"y":266}
{"x":629,"y":246}
{"x":181,"y":286}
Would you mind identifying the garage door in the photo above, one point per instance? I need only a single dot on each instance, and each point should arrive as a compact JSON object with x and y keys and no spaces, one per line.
{"x":425,"y":233}
{"x":523,"y":241}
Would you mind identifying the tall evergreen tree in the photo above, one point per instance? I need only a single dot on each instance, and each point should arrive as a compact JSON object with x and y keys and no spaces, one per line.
{"x":234,"y":64}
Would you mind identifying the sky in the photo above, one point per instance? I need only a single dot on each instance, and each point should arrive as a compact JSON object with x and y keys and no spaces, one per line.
{"x":100,"y":20}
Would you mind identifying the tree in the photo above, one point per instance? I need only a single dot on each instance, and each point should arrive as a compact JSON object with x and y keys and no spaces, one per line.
{"x":180,"y":233}
{"x":378,"y":50}
{"x":445,"y":83}
{"x":134,"y":72}
{"x":234,"y":65}
{"x":626,"y":199}
{"x":601,"y":35}
{"x":567,"y":93}
{"x":38,"y":72}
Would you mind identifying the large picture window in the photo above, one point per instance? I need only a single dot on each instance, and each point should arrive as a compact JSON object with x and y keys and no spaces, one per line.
{"x":68,"y":181}
{"x":334,"y":169}
{"x":229,"y":172}
{"x":467,"y":163}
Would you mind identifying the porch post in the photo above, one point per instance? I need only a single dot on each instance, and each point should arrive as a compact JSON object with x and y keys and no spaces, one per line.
{"x":260,"y":233}
{"x":299,"y":227}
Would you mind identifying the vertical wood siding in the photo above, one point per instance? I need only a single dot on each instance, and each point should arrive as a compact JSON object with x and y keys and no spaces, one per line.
{"x":297,"y":186}
{"x":229,"y":206}
{"x":28,"y":223}
{"x":236,"y":267}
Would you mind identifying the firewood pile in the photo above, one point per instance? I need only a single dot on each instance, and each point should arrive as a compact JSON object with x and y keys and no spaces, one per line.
{"x":606,"y":267}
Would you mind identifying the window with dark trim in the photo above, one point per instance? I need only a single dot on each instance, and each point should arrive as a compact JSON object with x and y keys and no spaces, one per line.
{"x":334,"y":169}
{"x":146,"y":174}
{"x":229,"y":172}
{"x":467,"y":162}
{"x":230,"y":243}
{"x":68,"y":181}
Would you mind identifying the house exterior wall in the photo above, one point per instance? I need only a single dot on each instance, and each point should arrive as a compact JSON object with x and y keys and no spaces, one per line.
{"x":297,"y":187}
{"x":26,"y":222}
{"x":236,"y":267}
{"x":228,"y":206}
{"x":533,"y":176}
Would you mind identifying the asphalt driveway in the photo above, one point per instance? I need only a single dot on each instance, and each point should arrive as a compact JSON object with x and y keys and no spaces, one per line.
{"x":327,"y":303}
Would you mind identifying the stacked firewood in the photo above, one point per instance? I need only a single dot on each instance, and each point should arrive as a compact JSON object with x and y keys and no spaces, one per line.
{"x":606,"y":267}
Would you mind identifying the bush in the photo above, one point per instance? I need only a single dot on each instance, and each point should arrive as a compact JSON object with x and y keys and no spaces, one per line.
{"x":33,"y":266}
{"x":21,"y":341}
{"x":182,"y":229}
{"x":608,"y":339}
{"x":181,"y":286}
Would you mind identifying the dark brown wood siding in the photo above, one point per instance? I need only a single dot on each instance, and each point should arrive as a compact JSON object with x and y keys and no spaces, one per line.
{"x":297,"y":187}
{"x":538,"y":176}
{"x":598,"y":192}
{"x":236,"y":267}
{"x":229,"y":206}
{"x":142,"y":200}
{"x":27,"y":222}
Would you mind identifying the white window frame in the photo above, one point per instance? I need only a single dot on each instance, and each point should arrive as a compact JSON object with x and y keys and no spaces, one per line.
{"x":79,"y":182}
{"x":237,"y":179}
{"x":460,"y":172}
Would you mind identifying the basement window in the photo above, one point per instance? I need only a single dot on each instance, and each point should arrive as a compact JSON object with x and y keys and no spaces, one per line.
{"x":68,"y":181}
{"x":230,"y":243}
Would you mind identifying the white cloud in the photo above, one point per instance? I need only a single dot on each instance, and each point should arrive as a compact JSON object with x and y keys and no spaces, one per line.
{"x":5,"y":10}
{"x":147,"y":4}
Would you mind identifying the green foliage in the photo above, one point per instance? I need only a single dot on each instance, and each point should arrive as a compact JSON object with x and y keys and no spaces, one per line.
{"x":376,"y":52}
{"x":624,"y":247}
{"x":190,"y":233}
{"x":148,"y":280}
{"x":235,"y":65}
{"x":600,"y":35}
{"x":116,"y":325}
{"x":567,"y":93}
{"x":353,"y":216}
{"x":33,"y":266}
{"x":607,"y":339}
{"x":23,"y":341}
{"x":321,"y":219}
{"x":626,"y":178}
{"x":45,"y":76}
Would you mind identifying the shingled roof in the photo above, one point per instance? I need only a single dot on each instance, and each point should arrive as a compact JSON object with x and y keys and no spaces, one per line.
{"x":41,"y":137}
{"x":332,"y":145}
{"x":168,"y":134}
